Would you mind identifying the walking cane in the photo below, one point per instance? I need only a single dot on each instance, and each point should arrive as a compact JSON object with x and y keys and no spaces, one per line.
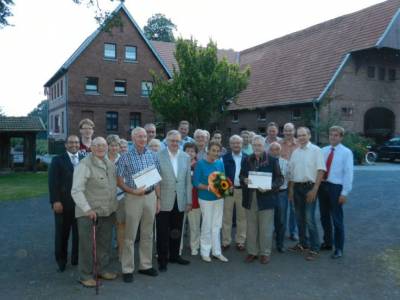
{"x":183,"y":233}
{"x":96,"y":277}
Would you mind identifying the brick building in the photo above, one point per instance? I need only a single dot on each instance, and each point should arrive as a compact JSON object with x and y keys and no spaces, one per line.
{"x":108,"y":79}
{"x":346,"y":68}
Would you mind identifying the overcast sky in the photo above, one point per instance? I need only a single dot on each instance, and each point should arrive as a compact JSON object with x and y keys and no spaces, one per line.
{"x":47,"y":32}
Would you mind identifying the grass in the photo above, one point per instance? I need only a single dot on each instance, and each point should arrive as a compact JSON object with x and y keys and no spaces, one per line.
{"x":16,"y":186}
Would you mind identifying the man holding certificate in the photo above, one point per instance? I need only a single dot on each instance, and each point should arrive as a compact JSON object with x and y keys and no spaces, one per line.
{"x":138,"y":176}
{"x":260,"y":178}
{"x":176,"y":197}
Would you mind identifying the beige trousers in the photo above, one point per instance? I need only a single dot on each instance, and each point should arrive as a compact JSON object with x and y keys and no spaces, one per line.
{"x":194,"y":218}
{"x":241,"y":223}
{"x":259,"y":229}
{"x":139,"y":210}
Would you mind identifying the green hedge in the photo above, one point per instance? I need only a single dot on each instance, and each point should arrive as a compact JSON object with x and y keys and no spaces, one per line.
{"x":358,"y":144}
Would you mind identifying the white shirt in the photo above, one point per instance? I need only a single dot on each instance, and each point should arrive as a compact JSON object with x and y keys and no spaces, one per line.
{"x":284,"y":166}
{"x":74,"y":158}
{"x":238,"y":164}
{"x":341,"y":170}
{"x":174,"y":161}
{"x":305,"y":163}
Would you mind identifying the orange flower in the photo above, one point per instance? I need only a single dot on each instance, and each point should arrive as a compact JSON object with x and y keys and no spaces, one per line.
{"x":224,"y":184}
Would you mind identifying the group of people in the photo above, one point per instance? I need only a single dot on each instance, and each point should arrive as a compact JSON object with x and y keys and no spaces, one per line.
{"x":93,"y":184}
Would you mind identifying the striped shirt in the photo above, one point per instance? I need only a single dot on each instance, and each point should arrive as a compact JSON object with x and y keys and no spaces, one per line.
{"x":132,"y":162}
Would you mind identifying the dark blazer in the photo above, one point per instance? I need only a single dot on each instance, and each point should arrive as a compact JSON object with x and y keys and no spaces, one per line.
{"x":267,"y":163}
{"x":60,"y":181}
{"x":230,"y":166}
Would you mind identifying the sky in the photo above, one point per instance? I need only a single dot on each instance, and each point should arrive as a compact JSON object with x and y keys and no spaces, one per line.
{"x":47,"y":32}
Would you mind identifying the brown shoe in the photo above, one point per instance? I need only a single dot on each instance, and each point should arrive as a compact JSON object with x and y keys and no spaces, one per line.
{"x":225,"y":247}
{"x":250,"y":258}
{"x":240,"y":247}
{"x":108,"y":276}
{"x":264,"y":259}
{"x":90,"y":283}
{"x":311,"y":255}
{"x":297,"y":248}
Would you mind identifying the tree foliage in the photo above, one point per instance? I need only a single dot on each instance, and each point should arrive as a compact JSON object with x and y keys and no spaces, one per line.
{"x":5,"y":12}
{"x":41,"y":111}
{"x":2,"y":113}
{"x":160,"y":28}
{"x":202,"y":87}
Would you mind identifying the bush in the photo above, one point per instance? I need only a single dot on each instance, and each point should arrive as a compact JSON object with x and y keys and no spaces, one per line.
{"x":358,"y":144}
{"x":41,"y":146}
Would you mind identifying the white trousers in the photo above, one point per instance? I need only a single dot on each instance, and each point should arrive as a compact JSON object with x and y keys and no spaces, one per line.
{"x":194,"y":217}
{"x":210,"y":237}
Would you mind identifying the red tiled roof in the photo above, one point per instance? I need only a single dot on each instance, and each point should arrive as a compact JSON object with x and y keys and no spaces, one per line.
{"x":166,"y":51}
{"x":296,"y":68}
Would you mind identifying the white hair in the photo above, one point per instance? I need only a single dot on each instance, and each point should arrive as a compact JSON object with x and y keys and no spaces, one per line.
{"x":173,"y":132}
{"x":275,"y":144}
{"x":98,"y":140}
{"x":123,"y":142}
{"x":258,"y":137}
{"x":136,"y":130}
{"x":235,"y":137}
{"x":199,"y":132}
{"x":154,"y":142}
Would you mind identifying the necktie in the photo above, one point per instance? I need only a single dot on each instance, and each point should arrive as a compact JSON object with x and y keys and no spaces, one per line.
{"x":329,"y":163}
{"x":75,"y":160}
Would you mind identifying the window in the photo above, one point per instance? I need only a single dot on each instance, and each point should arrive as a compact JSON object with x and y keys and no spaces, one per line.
{"x":92,"y":85}
{"x":371,"y":72}
{"x":61,"y":87}
{"x":57,"y":90}
{"x":392,"y":74}
{"x":62,"y":122}
{"x":111,"y":121}
{"x":56,"y":124}
{"x":262,"y":115}
{"x":135,"y":120}
{"x":120,"y":87}
{"x":382,"y":74}
{"x":110,"y":51}
{"x":235,"y":116}
{"x":147,"y":87}
{"x":296,"y":114}
{"x":347,"y":112}
{"x":130,"y":53}
{"x":51,"y":122}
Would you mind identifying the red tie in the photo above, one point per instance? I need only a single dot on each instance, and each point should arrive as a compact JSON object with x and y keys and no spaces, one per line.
{"x":329,"y":163}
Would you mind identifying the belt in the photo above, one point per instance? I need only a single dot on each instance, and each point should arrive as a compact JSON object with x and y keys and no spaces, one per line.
{"x":307,"y":183}
{"x":284,"y":190}
{"x":148,"y":192}
{"x":237,"y":187}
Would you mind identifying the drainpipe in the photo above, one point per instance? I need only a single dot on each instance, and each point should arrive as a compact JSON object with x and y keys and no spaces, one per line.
{"x":316,"y":121}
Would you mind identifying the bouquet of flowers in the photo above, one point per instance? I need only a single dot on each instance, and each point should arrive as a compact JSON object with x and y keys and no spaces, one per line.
{"x":219,"y":184}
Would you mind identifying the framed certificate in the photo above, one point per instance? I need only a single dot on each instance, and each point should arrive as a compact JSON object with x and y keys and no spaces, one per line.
{"x":147,"y":177}
{"x":260,"y":180}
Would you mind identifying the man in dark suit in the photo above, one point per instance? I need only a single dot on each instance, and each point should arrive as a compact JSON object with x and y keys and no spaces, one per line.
{"x":232,"y":164}
{"x":60,"y":184}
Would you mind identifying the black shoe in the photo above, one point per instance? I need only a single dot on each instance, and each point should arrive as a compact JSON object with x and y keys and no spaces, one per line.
{"x":149,"y":272}
{"x":281,"y":250}
{"x":127,"y":277}
{"x":162,"y":268}
{"x":293,"y":238}
{"x":337,"y":254}
{"x":179,"y":260}
{"x":325,"y":246}
{"x":74,"y":261}
{"x":61,"y":267}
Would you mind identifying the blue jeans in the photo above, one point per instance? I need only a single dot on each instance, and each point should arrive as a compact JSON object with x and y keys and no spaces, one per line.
{"x":292,"y":220}
{"x":331,"y":212}
{"x":305,"y":214}
{"x":280,"y":218}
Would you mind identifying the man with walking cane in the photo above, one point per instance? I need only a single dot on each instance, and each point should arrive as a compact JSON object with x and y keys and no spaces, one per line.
{"x":94,"y":191}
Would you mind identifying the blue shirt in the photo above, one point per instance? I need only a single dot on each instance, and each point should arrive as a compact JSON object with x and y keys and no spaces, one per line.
{"x":133,"y":162}
{"x":341,"y":170}
{"x":201,"y":172}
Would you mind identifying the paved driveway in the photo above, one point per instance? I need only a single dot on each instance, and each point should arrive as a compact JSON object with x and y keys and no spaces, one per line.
{"x":28,"y":269}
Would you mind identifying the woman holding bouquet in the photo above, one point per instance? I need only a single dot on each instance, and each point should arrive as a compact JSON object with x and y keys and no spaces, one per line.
{"x":211,"y":203}
{"x":259,"y":203}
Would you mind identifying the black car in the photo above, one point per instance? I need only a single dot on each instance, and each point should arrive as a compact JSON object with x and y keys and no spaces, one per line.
{"x":390,"y":149}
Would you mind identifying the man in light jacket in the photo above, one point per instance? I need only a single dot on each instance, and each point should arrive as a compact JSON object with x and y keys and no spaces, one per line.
{"x":94,"y":191}
{"x":175,"y":198}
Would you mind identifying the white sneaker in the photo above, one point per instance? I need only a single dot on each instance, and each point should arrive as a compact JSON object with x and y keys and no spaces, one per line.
{"x":221,"y":258}
{"x":195,"y":252}
{"x":206,"y":258}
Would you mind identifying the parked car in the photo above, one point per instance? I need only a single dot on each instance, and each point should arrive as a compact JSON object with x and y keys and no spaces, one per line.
{"x":390,"y":149}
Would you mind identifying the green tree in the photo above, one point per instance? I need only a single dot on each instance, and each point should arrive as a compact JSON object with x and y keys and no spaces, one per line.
{"x":41,"y":111}
{"x":202,"y":87}
{"x":5,"y":12}
{"x":160,"y":28}
{"x":2,"y":113}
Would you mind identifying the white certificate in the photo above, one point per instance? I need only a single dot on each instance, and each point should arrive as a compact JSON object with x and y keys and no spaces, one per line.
{"x":147,"y":178}
{"x":262,"y":180}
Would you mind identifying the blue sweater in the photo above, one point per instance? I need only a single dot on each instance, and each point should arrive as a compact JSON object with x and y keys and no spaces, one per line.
{"x":202,"y":170}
